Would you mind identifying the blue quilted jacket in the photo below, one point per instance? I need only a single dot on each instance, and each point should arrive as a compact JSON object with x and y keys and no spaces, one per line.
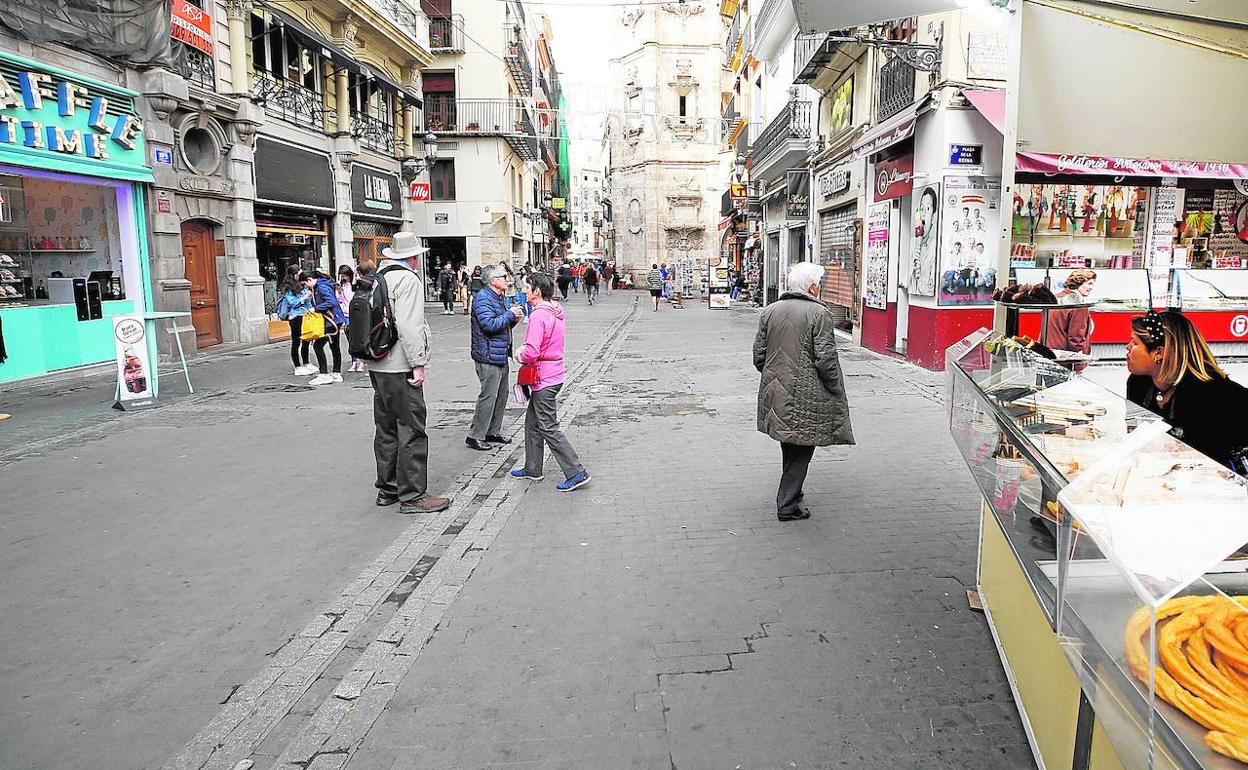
{"x":491,"y":328}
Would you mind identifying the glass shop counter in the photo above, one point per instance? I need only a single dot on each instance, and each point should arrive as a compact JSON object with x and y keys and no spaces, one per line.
{"x":1109,"y":559}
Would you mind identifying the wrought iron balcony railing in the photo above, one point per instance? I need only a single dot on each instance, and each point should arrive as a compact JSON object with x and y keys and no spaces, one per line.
{"x":407,"y":16}
{"x":734,"y":37}
{"x":374,"y":133}
{"x":895,"y":89}
{"x":516,"y":56}
{"x":446,"y":34}
{"x":730,"y":120}
{"x":792,"y":123}
{"x":194,"y":65}
{"x":291,"y":102}
{"x":810,"y":53}
{"x":446,"y":115}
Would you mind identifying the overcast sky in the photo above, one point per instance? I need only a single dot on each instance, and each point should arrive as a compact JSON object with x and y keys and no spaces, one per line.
{"x":584,"y":43}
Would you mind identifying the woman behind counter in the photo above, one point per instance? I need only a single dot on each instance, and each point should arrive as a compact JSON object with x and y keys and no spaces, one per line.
{"x":1072,"y":329}
{"x":1174,"y":375}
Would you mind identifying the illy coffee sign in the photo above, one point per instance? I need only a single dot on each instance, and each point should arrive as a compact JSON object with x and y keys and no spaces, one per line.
{"x":834,"y":182}
{"x":894,"y":178}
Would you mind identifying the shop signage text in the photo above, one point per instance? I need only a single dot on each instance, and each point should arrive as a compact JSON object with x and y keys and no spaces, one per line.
{"x":1049,"y":163}
{"x":38,"y":111}
{"x":894,"y":178}
{"x":164,"y":157}
{"x":375,"y":193}
{"x":797,"y":204}
{"x":966,"y":155}
{"x":737,"y":191}
{"x":192,"y":25}
{"x":1239,"y":326}
{"x":419,"y":191}
{"x":884,"y":141}
{"x":441,"y":219}
{"x":834,"y":182}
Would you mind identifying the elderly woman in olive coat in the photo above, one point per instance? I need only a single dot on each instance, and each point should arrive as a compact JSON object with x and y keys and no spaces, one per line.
{"x":801,"y":395}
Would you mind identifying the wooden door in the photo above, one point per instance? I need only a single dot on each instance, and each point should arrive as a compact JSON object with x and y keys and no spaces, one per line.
{"x":201,"y":271}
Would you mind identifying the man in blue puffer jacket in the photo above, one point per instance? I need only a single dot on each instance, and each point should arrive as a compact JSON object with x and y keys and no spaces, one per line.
{"x":491,"y":350}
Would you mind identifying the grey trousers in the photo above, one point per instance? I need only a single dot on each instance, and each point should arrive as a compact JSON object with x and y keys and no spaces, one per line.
{"x":487,"y":420}
{"x":541,"y":427}
{"x":795,"y":463}
{"x":400,"y":445}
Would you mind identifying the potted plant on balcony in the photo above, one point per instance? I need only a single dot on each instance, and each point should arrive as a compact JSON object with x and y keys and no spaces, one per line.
{"x":513,"y":50}
{"x":435,"y":124}
{"x":473,"y":126}
{"x":519,"y":127}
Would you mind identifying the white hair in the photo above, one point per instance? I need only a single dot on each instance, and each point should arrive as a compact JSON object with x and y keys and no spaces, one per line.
{"x":490,"y":272}
{"x":803,"y":275}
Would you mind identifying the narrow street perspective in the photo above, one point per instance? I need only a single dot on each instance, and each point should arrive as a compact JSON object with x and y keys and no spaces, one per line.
{"x":613,"y":384}
{"x":661,"y":618}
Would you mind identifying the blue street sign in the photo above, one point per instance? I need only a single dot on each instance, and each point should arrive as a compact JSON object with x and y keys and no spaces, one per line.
{"x":164,"y":156}
{"x":966,"y":155}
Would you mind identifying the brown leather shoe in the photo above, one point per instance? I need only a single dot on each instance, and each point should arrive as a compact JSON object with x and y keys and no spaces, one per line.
{"x":426,"y":504}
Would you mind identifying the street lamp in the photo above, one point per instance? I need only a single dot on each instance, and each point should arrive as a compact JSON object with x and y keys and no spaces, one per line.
{"x":739,"y":170}
{"x":546,"y":199}
{"x":413,"y":167}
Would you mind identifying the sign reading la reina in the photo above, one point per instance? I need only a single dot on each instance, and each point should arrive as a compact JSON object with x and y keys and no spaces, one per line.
{"x":42,"y":112}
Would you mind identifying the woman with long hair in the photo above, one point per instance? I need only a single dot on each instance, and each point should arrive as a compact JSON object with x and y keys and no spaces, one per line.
{"x":325,"y":302}
{"x":345,"y":289}
{"x":1174,"y":375}
{"x":296,"y":301}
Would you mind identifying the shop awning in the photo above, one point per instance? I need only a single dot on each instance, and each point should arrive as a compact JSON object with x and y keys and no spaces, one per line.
{"x":898,"y":128}
{"x":829,"y":16}
{"x":312,"y":37}
{"x":991,"y":104}
{"x":392,"y":84}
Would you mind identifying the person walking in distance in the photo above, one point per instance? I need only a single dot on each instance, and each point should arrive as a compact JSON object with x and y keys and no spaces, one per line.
{"x":591,"y":282}
{"x":475,"y":284}
{"x":325,"y":302}
{"x":446,"y":289}
{"x":344,"y":289}
{"x":608,"y":276}
{"x":296,"y":301}
{"x":564,"y":280}
{"x":491,"y":350}
{"x":654,"y":282}
{"x":401,"y":445}
{"x":801,"y":394}
{"x":541,"y":359}
{"x":462,"y":279}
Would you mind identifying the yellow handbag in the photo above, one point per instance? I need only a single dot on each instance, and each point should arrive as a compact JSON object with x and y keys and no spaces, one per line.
{"x":313,"y":326}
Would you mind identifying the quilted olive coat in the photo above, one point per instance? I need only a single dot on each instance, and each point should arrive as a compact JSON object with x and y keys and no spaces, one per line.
{"x":801,"y":396}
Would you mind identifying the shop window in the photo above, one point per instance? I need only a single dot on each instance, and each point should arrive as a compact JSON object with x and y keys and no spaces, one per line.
{"x":442,"y":180}
{"x":280,"y":52}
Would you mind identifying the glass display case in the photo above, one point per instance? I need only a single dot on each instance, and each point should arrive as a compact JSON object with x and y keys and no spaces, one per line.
{"x":1128,"y":539}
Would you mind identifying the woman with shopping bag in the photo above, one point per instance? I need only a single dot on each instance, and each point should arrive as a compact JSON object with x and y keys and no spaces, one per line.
{"x":540,"y":379}
{"x":322,"y":325}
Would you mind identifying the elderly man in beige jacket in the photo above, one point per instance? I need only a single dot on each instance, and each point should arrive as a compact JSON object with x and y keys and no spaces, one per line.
{"x":401,"y":444}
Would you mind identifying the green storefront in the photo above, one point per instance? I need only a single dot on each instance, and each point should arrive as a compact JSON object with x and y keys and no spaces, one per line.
{"x":73,"y":233}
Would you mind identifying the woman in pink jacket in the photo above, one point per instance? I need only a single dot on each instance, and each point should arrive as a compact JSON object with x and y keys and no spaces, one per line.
{"x":543,"y":350}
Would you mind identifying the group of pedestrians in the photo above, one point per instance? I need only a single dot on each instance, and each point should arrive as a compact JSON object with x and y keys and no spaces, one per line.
{"x":397,"y":373}
{"x":590,"y":274}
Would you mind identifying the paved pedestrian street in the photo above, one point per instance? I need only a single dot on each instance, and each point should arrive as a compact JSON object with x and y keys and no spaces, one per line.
{"x":210,"y":581}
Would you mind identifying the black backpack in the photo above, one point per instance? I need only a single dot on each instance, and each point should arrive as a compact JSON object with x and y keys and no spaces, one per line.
{"x":372,"y":333}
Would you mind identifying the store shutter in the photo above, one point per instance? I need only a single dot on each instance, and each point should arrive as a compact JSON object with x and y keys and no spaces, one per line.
{"x":836,"y":254}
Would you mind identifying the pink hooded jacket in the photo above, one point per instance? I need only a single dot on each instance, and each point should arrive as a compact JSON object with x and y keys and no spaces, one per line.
{"x":543,"y":344}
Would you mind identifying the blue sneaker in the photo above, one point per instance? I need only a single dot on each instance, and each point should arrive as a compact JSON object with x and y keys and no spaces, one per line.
{"x":579,"y":480}
{"x":519,"y":473}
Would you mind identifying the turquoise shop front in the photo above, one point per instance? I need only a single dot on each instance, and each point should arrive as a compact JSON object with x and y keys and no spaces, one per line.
{"x":73,"y":232}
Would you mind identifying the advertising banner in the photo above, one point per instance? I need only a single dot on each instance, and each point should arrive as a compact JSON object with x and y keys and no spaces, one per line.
{"x":136,"y":378}
{"x":1161,"y":241}
{"x":972,"y":214}
{"x":798,"y":200}
{"x":925,"y":246}
{"x":1050,"y":163}
{"x":894,"y":178}
{"x":875,"y":293}
{"x":192,"y":25}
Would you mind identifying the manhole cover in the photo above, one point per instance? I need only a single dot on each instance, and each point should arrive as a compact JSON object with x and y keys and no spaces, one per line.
{"x":279,"y":388}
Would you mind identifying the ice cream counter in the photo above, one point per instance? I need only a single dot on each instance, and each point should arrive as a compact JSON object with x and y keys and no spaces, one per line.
{"x":1107,"y":553}
{"x":43,"y":338}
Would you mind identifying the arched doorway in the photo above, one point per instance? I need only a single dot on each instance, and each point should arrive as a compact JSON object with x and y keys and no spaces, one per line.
{"x":200,"y":258}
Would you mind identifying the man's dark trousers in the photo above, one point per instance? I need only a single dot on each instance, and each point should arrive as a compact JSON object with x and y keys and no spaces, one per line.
{"x":796,"y":461}
{"x":400,"y":445}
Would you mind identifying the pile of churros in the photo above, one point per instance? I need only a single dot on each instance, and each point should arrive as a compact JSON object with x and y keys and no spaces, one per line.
{"x":1202,"y":644}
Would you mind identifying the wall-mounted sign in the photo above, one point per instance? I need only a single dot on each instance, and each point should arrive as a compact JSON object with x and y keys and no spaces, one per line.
{"x":737,"y":191}
{"x":441,"y":218}
{"x":986,"y":55}
{"x":875,"y":283}
{"x":966,"y":155}
{"x":835,"y":181}
{"x":192,"y":25}
{"x":843,"y":106}
{"x":419,"y":191}
{"x":375,"y":194}
{"x":164,"y":204}
{"x":893,"y":178}
{"x":1050,"y":163}
{"x":797,"y":194}
{"x":164,"y":157}
{"x":288,"y":175}
{"x":558,"y":204}
{"x":51,"y":115}
{"x":969,"y":243}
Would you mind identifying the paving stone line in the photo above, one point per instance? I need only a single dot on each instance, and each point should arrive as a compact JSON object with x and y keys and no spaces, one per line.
{"x":341,"y":722}
{"x":254,"y":709}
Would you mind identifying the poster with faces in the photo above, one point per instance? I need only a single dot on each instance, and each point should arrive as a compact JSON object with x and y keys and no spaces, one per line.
{"x":968,"y":265}
{"x":925,"y":245}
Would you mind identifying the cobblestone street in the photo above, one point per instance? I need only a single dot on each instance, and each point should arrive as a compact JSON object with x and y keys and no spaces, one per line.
{"x":210,"y":581}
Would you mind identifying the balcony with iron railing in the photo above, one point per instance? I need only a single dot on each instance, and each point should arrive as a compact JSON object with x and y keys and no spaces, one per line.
{"x":516,"y":56}
{"x":810,"y":52}
{"x":786,"y":138}
{"x":446,"y":34}
{"x":733,"y":39}
{"x":730,"y":120}
{"x":374,"y":133}
{"x":407,"y":16}
{"x":291,"y":102}
{"x":446,"y":115}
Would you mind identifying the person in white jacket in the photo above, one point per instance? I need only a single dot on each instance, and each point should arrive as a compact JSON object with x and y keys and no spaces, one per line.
{"x":401,"y":444}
